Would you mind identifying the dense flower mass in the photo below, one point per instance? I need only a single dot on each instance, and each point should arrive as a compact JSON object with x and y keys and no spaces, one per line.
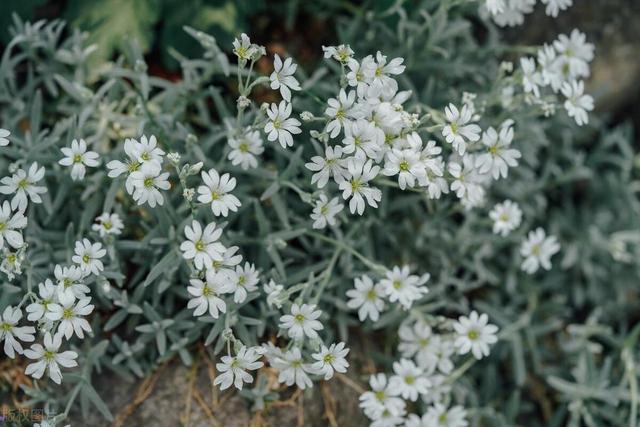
{"x":267,"y":236}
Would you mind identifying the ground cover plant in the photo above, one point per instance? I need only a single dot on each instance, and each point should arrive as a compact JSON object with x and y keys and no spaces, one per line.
{"x":426,"y":182}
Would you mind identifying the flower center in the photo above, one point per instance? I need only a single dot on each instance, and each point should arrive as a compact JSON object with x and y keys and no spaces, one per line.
{"x":148,"y":182}
{"x":324,"y":210}
{"x":277,"y":124}
{"x":535,"y":250}
{"x":473,"y":335}
{"x":216,"y":264}
{"x":67,"y":313}
{"x":5,"y":327}
{"x":404,"y":166}
{"x":66,"y":282}
{"x":328,"y":358}
{"x":371,"y":295}
{"x":207,"y":291}
{"x":355,"y":185}
{"x":380,"y":395}
{"x":49,"y":355}
{"x":12,"y":258}
{"x":2,"y":226}
{"x":199,"y":246}
{"x":423,"y":342}
{"x":145,"y":156}
{"x":133,"y":166}
{"x":357,"y":141}
{"x":77,"y":158}
{"x":504,"y":217}
{"x":215,"y":195}
{"x":299,"y":318}
{"x":340,"y":114}
{"x":86,"y":258}
{"x":493,"y":150}
{"x":243,"y":147}
{"x":409,"y":379}
{"x":23,"y":183}
{"x":397,"y":284}
{"x":242,"y":280}
{"x":454,"y":127}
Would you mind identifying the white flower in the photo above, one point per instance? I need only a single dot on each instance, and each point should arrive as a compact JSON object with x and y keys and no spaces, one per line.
{"x":202,"y":246}
{"x":367,"y":298}
{"x":293,"y":369}
{"x":206,"y":295}
{"x":325,"y":211}
{"x":379,"y":72}
{"x":131,"y":164}
{"x":274,"y":294}
{"x":244,"y":49}
{"x":513,"y":13}
{"x":382,"y":398}
{"x":331,"y":165}
{"x":357,"y":186}
{"x":49,"y":357}
{"x":506,"y":217}
{"x":78,"y":157}
{"x":531,"y":78}
{"x":331,"y":359}
{"x":459,"y":130}
{"x":419,"y":341}
{"x":87,"y":256}
{"x":537,"y":251}
{"x":439,"y":416}
{"x":4,"y":137}
{"x":282,"y":77}
{"x":48,"y":299}
{"x":280,"y":126}
{"x":339,"y":111}
{"x":233,"y":370}
{"x":406,"y":164}
{"x":360,"y":139}
{"x":147,"y":150}
{"x":576,"y":51}
{"x":402,"y":286}
{"x":217,"y":191}
{"x":409,"y":380}
{"x":229,"y":260}
{"x":550,"y":67}
{"x":147,"y":183}
{"x":577,"y":103}
{"x":70,"y":315}
{"x":341,"y":53}
{"x":69,"y":280}
{"x":245,"y":149}
{"x":474,"y":334}
{"x":10,"y":223}
{"x":242,"y":281}
{"x":495,"y":6}
{"x":499,"y":157}
{"x":23,"y":184}
{"x":555,"y":6}
{"x":302,"y":321}
{"x":108,"y":224}
{"x":11,"y":333}
{"x":12,"y":263}
{"x":466,"y":183}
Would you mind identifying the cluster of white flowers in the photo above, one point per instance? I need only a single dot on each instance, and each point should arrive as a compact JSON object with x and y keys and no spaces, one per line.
{"x":424,"y":370}
{"x":561,"y":67}
{"x":58,"y":310}
{"x":143,"y":169}
{"x":511,"y":12}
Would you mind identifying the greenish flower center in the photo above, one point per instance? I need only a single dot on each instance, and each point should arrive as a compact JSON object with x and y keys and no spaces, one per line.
{"x":473,"y":335}
{"x":215,"y":195}
{"x":328,"y":358}
{"x":371,"y":295}
{"x":242,"y":280}
{"x":207,"y":291}
{"x":67,"y":313}
{"x":299,"y":318}
{"x":2,"y":226}
{"x":86,"y":258}
{"x":6,"y":327}
{"x":148,"y":182}
{"x":23,"y":183}
{"x":243,"y":147}
{"x":107,"y":225}
{"x":409,"y":379}
{"x":77,"y":158}
{"x":199,"y":246}
{"x":133,"y":166}
{"x":145,"y":156}
{"x":277,"y":124}
{"x":397,"y":284}
{"x":355,"y":185}
{"x":404,"y":166}
{"x":454,"y":127}
{"x":49,"y":355}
